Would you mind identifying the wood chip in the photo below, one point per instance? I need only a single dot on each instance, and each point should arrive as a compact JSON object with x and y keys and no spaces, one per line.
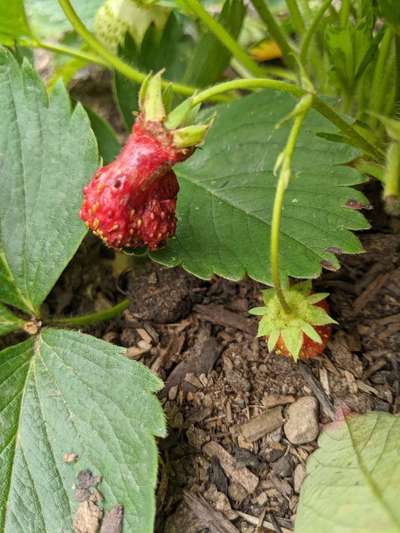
{"x":235,"y":472}
{"x":260,"y":425}
{"x":268,"y":525}
{"x":272,"y":400}
{"x":200,"y":360}
{"x":207,"y":515}
{"x":324,"y":379}
{"x":317,"y":390}
{"x":218,"y":314}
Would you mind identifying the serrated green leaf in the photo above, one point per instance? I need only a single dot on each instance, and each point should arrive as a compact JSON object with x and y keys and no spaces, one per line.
{"x":108,"y":143}
{"x":210,"y":58}
{"x":13,"y":22}
{"x":49,"y":21}
{"x":353,"y":478}
{"x":8,"y":321}
{"x":227,"y":193}
{"x":48,"y":153}
{"x":65,"y":392}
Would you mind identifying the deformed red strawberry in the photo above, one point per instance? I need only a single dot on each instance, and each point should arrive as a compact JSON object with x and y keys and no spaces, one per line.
{"x":132,"y":201}
{"x":304,"y":331}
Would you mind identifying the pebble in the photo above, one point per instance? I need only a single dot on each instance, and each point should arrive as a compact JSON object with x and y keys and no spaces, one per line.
{"x":236,"y":492}
{"x":298,"y":477}
{"x":302,"y":421}
{"x":282,"y":466}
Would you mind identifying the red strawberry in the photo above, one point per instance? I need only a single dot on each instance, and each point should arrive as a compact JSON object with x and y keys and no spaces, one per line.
{"x":309,"y":348}
{"x":131,"y":202}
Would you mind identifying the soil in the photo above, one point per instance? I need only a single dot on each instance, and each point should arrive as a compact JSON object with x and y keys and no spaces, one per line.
{"x":219,"y":472}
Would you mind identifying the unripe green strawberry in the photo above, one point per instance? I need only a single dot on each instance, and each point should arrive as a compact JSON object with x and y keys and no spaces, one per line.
{"x":117,"y":17}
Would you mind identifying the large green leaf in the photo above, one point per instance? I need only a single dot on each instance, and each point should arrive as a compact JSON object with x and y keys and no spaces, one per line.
{"x":227,"y":194}
{"x":48,"y":19}
{"x":65,"y":392}
{"x":13,"y":23}
{"x":47,"y":154}
{"x":354,"y":478}
{"x":8,"y":321}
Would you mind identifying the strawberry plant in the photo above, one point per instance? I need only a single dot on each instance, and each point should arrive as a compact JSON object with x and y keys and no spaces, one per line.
{"x":264,"y":185}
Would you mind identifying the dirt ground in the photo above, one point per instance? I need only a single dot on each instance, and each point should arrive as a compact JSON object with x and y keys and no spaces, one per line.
{"x":242,"y":422}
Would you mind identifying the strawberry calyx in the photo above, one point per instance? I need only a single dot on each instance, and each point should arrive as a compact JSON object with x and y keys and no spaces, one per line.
{"x":179,"y":121}
{"x":305,"y":318}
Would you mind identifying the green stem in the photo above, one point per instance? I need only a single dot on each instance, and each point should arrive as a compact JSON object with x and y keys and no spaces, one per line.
{"x":224,"y":37}
{"x":67,"y":50}
{"x":379,"y":89}
{"x":397,"y":70}
{"x":345,"y":12}
{"x":114,"y":61}
{"x":91,"y":318}
{"x":312,"y":29}
{"x":319,"y":104}
{"x":276,"y":32}
{"x":283,"y":182}
{"x":296,"y":16}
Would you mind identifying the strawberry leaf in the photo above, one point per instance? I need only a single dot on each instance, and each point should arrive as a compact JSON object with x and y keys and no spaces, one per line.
{"x":353,"y":479}
{"x":227,"y":192}
{"x":48,"y":153}
{"x":67,"y":393}
{"x":8,"y":321}
{"x":13,"y":22}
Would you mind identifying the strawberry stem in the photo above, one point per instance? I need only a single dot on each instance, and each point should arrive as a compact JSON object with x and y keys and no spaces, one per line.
{"x":319,"y":104}
{"x":91,"y":318}
{"x":224,"y":37}
{"x":284,"y":164}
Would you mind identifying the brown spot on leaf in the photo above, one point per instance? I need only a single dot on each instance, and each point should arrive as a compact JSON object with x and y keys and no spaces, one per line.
{"x":70,"y":457}
{"x":328,"y":265}
{"x":112,"y":521}
{"x":355,"y":204}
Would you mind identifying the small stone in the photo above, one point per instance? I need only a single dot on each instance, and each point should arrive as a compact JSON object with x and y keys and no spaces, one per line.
{"x":298,"y":477}
{"x":172,"y":393}
{"x":262,"y":499}
{"x":302,"y":421}
{"x":282,"y":466}
{"x":236,"y":492}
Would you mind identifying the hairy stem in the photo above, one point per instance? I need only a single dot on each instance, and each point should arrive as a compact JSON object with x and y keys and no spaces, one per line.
{"x":276,"y":32}
{"x":379,"y":89}
{"x":320,"y":105}
{"x":91,"y":318}
{"x":66,"y":50}
{"x":283,"y":182}
{"x":224,"y":37}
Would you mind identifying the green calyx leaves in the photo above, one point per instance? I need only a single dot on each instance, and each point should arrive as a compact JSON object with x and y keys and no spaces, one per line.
{"x":304,"y":315}
{"x":152,"y":102}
